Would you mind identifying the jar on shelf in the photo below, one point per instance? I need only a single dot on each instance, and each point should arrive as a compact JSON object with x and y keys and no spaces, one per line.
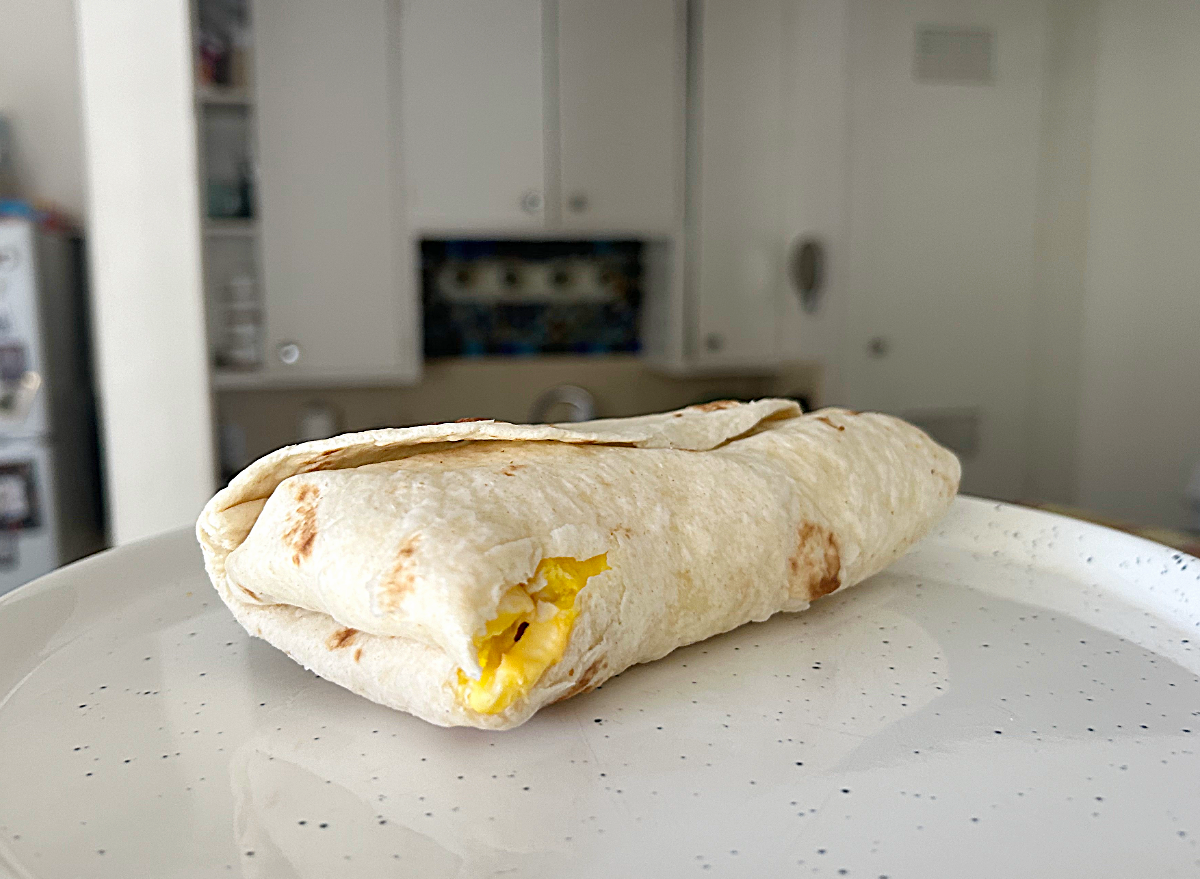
{"x":242,"y":345}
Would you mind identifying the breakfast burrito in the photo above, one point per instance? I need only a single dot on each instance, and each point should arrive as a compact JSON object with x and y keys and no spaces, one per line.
{"x":474,"y":572}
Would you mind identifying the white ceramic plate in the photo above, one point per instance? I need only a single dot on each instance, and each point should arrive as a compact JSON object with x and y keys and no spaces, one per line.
{"x":1017,"y":697}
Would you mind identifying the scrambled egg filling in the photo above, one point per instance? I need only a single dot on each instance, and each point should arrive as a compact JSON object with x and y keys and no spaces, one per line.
{"x":528,"y":634}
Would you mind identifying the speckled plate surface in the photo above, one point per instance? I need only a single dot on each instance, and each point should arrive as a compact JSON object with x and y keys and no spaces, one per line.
{"x":1017,"y":697}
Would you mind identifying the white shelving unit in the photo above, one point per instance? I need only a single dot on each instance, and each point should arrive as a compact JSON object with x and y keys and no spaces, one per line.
{"x":324,"y":242}
{"x":231,"y":228}
{"x":230,"y":246}
{"x":236,"y":380}
{"x":225,"y":379}
{"x":223,"y":96}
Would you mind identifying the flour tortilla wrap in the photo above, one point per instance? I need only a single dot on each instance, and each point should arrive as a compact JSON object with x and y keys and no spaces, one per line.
{"x":378,"y":559}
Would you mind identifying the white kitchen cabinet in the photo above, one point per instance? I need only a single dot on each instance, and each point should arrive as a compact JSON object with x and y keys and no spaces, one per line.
{"x":621,"y":114}
{"x":531,"y":116}
{"x":737,"y":242}
{"x":339,"y":293}
{"x":766,"y":144}
{"x":471,"y":110}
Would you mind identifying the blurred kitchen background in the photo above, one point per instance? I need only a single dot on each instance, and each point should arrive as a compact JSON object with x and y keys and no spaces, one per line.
{"x":281,"y":219}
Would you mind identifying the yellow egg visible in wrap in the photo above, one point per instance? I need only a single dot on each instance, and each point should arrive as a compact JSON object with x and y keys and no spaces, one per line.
{"x":528,"y":634}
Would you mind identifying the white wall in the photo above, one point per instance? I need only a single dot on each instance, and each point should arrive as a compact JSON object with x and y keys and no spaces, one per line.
{"x":942,"y":211}
{"x":144,"y":221}
{"x":1139,"y":424}
{"x":39,"y":93}
{"x":1062,"y":248}
{"x":1032,"y":248}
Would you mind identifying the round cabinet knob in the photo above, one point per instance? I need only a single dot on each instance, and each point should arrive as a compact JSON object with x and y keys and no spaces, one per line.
{"x":577,"y":203}
{"x":531,"y":201}
{"x":878,"y":347}
{"x":714,"y":342}
{"x":289,"y":352}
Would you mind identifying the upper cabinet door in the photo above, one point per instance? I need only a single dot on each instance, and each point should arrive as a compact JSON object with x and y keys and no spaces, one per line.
{"x":338,"y":297}
{"x":621,"y":114}
{"x":471,"y":97}
{"x":737,"y":247}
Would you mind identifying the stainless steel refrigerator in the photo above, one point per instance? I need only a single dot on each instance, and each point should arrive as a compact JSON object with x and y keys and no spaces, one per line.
{"x":50,"y":504}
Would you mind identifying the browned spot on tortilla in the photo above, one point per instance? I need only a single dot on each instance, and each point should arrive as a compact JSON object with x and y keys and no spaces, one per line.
{"x":815,"y":568}
{"x":853,"y":412}
{"x":395,"y":585}
{"x":512,"y":469}
{"x":357,"y":654}
{"x":621,"y":531}
{"x":248,"y":592}
{"x":328,"y":452}
{"x":715,"y":405}
{"x":677,"y":415}
{"x":825,"y":420}
{"x":301,"y":530}
{"x":585,"y":683}
{"x":340,"y":638}
{"x":467,"y":420}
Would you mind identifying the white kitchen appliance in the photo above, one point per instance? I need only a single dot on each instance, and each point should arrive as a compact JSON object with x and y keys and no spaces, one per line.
{"x":50,"y":508}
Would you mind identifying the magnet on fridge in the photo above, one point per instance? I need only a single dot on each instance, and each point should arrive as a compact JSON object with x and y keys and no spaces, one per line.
{"x":18,"y":497}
